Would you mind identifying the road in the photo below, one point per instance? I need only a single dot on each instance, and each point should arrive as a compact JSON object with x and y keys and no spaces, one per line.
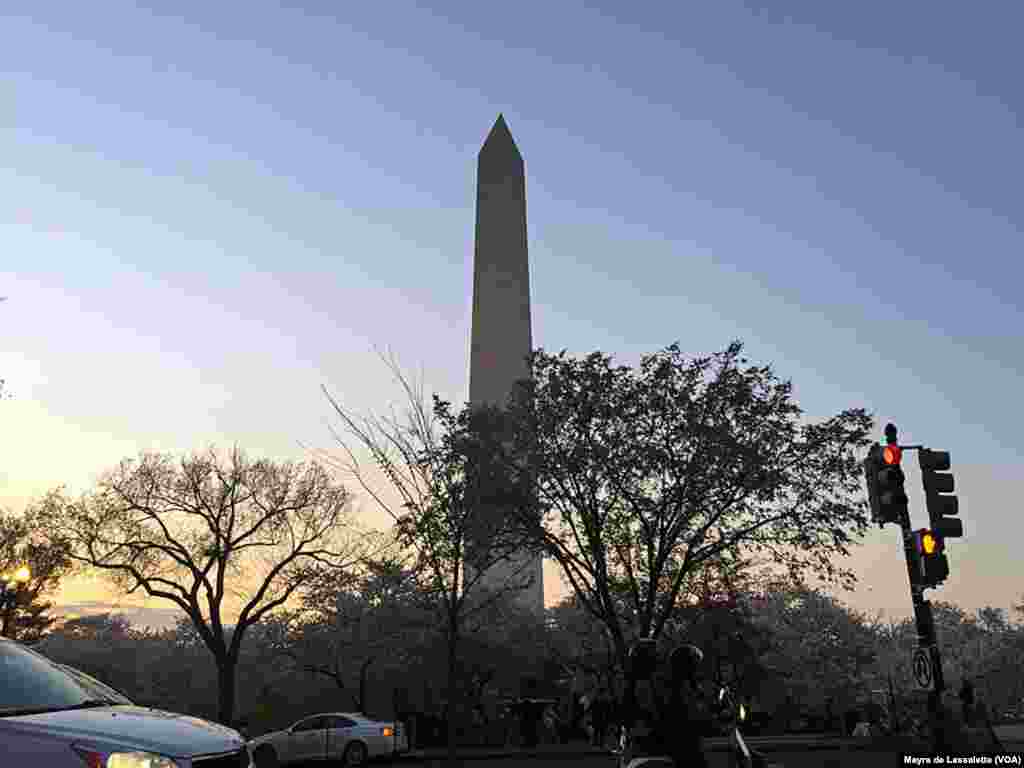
{"x":805,"y":759}
{"x":1012,"y":737}
{"x":817,"y":759}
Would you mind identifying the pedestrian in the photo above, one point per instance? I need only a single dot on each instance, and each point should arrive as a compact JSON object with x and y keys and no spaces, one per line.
{"x":479,"y":725}
{"x":600,"y":717}
{"x":576,"y":714}
{"x":851,"y":721}
{"x":967,"y":701}
{"x":551,"y":725}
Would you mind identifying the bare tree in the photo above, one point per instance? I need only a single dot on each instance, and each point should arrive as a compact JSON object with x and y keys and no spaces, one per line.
{"x":460,"y":507}
{"x":208,"y":535}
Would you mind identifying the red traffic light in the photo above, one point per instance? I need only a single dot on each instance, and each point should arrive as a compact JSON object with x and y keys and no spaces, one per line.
{"x":892,"y":455}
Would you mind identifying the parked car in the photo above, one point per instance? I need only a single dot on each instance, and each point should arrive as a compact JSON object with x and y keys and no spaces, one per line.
{"x":347,"y":736}
{"x":52,"y":717}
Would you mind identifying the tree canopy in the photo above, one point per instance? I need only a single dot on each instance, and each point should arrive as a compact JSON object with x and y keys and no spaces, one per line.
{"x":645,"y":474}
{"x":226,"y":539}
{"x":26,"y":540}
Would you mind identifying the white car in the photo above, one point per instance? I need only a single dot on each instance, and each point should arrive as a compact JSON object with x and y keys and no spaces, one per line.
{"x":346,"y":736}
{"x":49,"y":718}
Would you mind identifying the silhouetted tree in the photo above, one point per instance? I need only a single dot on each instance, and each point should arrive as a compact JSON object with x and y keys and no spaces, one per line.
{"x":374,"y":617}
{"x":204,"y":531}
{"x":27,"y":540}
{"x":645,"y":474}
{"x":820,"y":648}
{"x":442,"y":465}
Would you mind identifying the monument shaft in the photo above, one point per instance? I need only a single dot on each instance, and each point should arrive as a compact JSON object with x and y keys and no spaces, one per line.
{"x":502,"y":334}
{"x":501,"y":338}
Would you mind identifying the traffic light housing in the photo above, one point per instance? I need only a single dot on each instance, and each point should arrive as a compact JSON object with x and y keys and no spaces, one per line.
{"x":932,"y":557}
{"x":937,"y":481}
{"x":885,"y":480}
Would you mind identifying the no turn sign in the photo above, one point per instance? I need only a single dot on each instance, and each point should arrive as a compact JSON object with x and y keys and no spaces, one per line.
{"x":923,"y":672}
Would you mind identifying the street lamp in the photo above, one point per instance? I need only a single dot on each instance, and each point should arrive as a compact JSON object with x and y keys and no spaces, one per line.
{"x":10,"y":584}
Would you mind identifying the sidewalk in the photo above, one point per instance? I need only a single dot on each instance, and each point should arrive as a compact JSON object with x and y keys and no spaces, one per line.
{"x":571,"y":750}
{"x":582,"y":749}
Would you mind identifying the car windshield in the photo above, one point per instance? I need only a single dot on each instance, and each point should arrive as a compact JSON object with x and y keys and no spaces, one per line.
{"x":98,"y":689}
{"x":30,"y":682}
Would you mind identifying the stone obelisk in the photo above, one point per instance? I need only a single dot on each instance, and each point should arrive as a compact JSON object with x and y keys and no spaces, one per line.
{"x":501,"y":334}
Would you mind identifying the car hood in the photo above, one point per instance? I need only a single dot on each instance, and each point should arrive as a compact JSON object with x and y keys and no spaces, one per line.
{"x":151,"y":730}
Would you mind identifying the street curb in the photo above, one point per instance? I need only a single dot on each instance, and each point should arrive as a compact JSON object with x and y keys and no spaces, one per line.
{"x":800,"y":746}
{"x":522,"y":753}
{"x":778,"y":746}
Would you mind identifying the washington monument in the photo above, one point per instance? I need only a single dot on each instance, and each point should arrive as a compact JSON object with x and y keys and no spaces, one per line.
{"x":501,"y":337}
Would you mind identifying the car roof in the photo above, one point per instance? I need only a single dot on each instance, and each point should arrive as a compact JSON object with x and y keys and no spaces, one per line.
{"x":349,"y":715}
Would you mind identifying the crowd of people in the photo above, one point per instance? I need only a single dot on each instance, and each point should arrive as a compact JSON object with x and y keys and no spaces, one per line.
{"x":594,"y":717}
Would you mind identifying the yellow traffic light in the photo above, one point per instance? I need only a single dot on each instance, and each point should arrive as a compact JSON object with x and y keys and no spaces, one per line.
{"x":929,"y":544}
{"x":934,"y":565}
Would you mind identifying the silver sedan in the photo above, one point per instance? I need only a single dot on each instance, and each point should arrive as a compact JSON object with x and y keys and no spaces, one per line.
{"x":53,"y":717}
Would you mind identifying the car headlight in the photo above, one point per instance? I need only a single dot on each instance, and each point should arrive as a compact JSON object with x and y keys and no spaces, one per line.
{"x":95,"y":759}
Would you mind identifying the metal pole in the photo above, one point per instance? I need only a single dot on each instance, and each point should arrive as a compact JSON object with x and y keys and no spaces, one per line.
{"x":923,"y":619}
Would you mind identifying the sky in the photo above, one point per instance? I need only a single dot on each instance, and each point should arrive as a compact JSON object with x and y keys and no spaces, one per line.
{"x":212,"y":210}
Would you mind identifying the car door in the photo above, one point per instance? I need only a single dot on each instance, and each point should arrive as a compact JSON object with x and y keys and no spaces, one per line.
{"x":306,"y":741}
{"x":339,"y":731}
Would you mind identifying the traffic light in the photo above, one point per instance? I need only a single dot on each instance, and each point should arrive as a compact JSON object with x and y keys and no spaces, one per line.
{"x":942,"y":510}
{"x":885,"y":482}
{"x":932,"y":556}
{"x":871,"y":463}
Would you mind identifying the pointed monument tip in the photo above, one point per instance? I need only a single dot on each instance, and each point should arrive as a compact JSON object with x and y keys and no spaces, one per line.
{"x":500,"y":137}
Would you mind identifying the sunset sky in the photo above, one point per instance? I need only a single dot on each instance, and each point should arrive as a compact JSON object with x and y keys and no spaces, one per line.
{"x":212,"y":209}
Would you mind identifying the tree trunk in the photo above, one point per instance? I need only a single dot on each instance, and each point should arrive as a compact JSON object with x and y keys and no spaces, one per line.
{"x":363,"y":670}
{"x":226,"y":689}
{"x":8,"y":614}
{"x":449,"y":706}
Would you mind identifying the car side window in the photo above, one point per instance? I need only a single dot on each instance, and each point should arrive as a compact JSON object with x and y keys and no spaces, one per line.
{"x":340,"y":722}
{"x":313,"y":724}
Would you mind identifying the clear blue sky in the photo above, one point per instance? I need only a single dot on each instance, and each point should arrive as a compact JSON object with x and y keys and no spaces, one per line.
{"x":213,"y":208}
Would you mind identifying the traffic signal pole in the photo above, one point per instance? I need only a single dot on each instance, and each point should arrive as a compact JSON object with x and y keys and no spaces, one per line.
{"x":925,"y":623}
{"x":923,"y":619}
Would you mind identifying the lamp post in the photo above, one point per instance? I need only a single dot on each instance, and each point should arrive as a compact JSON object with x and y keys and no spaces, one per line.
{"x":11,"y":583}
